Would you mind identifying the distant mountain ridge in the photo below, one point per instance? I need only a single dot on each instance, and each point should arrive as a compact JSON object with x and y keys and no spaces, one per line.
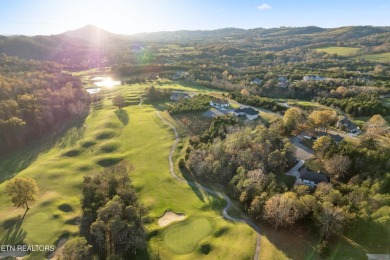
{"x":91,"y":45}
{"x":91,"y":33}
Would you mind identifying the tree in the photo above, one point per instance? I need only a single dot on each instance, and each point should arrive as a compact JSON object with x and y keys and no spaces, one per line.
{"x":376,"y":126}
{"x":76,"y":248}
{"x":282,"y":209}
{"x":322,"y":144}
{"x":291,"y":118}
{"x":245,"y":92}
{"x":277,"y":161}
{"x":323,"y":118}
{"x":338,"y":165}
{"x":118,"y":101}
{"x":331,"y":220}
{"x":342,"y":90}
{"x":22,"y":191}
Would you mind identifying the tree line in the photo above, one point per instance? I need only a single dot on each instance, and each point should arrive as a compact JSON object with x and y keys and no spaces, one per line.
{"x":33,"y":103}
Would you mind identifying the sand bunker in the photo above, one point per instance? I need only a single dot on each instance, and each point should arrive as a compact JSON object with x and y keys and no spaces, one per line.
{"x":169,"y":217}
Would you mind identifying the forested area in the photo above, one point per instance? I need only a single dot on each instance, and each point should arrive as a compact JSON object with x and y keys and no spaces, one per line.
{"x":35,"y":101}
{"x":251,"y":163}
{"x":359,"y":105}
{"x":112,"y":224}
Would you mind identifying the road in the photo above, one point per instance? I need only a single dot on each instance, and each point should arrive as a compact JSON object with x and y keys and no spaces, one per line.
{"x":229,"y":203}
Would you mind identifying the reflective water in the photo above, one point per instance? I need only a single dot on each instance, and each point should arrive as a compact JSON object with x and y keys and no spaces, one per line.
{"x":105,"y":82}
{"x":93,"y":90}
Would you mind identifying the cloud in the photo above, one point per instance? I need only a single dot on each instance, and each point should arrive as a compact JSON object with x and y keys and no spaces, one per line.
{"x":264,"y":7}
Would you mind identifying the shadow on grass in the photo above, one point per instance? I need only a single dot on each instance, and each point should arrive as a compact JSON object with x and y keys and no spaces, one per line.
{"x":122,"y":116}
{"x":189,"y":178}
{"x":16,"y":161}
{"x":72,"y":136}
{"x":15,"y":234}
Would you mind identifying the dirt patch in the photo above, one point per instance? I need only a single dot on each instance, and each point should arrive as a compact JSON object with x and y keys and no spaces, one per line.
{"x":170,"y":217}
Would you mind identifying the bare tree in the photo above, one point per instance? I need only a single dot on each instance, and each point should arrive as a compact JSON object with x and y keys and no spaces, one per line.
{"x":331,"y":220}
{"x":338,"y":165}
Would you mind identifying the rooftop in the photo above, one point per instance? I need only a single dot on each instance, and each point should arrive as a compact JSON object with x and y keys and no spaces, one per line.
{"x":246,"y":110}
{"x":306,"y":174}
{"x":220,"y":101}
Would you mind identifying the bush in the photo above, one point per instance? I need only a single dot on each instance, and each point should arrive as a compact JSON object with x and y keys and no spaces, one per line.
{"x":322,"y":249}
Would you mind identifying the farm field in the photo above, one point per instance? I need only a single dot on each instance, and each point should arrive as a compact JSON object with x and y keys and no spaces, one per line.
{"x":380,"y":57}
{"x":137,"y":135}
{"x":341,"y":51}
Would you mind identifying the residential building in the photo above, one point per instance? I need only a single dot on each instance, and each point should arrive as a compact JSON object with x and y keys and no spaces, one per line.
{"x":248,"y":112}
{"x":311,"y":179}
{"x":219,"y":103}
{"x":345,"y":124}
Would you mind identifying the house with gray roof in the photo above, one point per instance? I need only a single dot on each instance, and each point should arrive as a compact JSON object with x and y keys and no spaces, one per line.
{"x":248,"y":112}
{"x":310,"y":179}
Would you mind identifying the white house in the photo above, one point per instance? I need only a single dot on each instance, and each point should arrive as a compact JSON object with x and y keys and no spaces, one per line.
{"x":248,"y":112}
{"x":219,"y":103}
{"x":283,"y":82}
{"x":256,"y":81}
{"x":312,"y":77}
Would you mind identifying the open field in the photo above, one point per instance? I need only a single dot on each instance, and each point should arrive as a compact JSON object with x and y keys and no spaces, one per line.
{"x":102,"y":140}
{"x":380,"y":57}
{"x":341,"y":51}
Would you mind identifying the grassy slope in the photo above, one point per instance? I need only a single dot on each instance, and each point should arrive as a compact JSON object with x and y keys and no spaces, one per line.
{"x":342,"y":51}
{"x":145,"y":142}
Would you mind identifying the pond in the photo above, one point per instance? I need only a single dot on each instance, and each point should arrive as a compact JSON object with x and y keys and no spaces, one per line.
{"x":93,"y":90}
{"x":105,"y":82}
{"x":102,"y":82}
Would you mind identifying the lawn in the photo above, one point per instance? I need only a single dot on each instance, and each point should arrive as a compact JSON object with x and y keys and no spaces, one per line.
{"x":184,"y":237}
{"x":59,"y":163}
{"x":380,"y":57}
{"x":341,"y":51}
{"x":307,"y":105}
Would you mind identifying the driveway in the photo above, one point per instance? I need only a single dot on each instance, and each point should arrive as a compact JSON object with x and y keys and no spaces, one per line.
{"x":294,"y":170}
{"x":303,"y":152}
{"x":343,"y":134}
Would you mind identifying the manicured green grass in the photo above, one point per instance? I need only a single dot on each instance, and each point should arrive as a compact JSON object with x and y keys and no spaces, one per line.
{"x":184,"y":237}
{"x":341,"y":51}
{"x":59,"y":164}
{"x":307,"y":104}
{"x":380,"y":57}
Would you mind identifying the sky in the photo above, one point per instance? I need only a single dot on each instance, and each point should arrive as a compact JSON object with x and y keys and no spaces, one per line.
{"x":46,"y":17}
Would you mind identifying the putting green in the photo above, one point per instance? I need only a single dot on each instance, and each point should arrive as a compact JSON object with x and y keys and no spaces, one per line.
{"x":184,"y":237}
